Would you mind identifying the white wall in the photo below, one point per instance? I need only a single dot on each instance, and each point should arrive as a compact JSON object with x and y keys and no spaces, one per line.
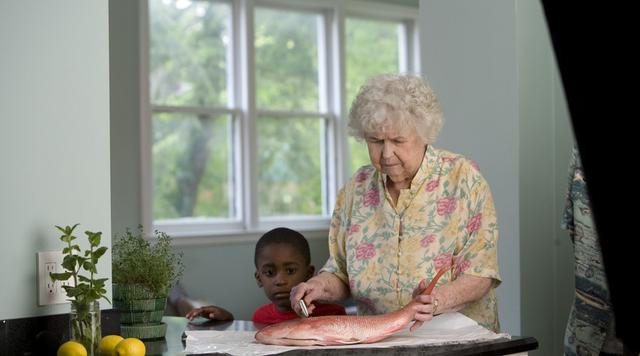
{"x":492,"y":65}
{"x":54,"y":138}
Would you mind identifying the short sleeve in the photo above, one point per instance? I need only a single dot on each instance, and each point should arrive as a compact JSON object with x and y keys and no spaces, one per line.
{"x":477,"y":254}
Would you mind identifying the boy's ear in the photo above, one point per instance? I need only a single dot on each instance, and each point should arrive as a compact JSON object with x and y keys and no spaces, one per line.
{"x":258,"y":281}
{"x":310,"y":271}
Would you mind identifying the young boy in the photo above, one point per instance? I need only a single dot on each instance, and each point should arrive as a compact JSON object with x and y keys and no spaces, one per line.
{"x":282,"y":259}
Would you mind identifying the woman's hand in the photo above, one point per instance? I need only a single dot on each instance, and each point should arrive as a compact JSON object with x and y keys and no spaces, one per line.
{"x":325,"y":286}
{"x":211,"y":312}
{"x":451,"y":296}
{"x":308,"y":291}
{"x":427,"y":307}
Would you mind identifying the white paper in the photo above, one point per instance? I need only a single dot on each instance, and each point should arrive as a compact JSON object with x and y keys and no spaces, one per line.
{"x":449,"y":328}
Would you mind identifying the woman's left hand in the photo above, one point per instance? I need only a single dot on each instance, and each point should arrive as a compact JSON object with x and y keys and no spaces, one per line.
{"x":427,"y":305}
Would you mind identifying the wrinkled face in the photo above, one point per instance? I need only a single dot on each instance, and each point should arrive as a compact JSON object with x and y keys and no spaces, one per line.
{"x":398,"y":155}
{"x":280,"y":268}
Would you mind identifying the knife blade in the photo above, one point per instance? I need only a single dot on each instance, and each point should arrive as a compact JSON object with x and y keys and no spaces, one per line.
{"x":303,"y":307}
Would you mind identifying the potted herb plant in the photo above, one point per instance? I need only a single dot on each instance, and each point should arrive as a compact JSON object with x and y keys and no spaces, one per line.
{"x":86,"y":289}
{"x":143,"y":272}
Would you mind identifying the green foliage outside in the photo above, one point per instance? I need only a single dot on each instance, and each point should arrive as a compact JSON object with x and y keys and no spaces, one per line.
{"x":192,"y":165}
{"x":371,"y":49}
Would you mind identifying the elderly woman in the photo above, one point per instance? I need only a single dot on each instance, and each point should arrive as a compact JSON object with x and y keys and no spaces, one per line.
{"x":415,"y":210}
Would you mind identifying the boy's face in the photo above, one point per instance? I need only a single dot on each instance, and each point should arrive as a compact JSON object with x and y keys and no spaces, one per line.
{"x":280,"y":268}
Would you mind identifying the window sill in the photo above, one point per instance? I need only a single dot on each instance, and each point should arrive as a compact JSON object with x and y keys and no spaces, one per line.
{"x":214,"y":234}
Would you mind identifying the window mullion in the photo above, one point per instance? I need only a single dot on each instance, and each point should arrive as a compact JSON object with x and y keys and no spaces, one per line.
{"x":339,"y":97}
{"x":408,"y":47}
{"x":248,"y":164}
{"x":413,"y":45}
{"x":146,"y":194}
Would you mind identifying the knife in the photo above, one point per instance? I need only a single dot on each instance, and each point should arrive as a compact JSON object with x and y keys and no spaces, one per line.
{"x":303,"y":307}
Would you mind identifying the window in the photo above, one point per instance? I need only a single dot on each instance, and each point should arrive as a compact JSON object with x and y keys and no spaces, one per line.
{"x":247,"y":104}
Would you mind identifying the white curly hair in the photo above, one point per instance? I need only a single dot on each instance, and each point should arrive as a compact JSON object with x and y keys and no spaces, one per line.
{"x":396,"y":101}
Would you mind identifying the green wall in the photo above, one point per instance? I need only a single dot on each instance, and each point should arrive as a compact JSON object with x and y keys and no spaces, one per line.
{"x":545,"y":141}
{"x":54,"y":138}
{"x":492,"y":64}
{"x":469,"y":57}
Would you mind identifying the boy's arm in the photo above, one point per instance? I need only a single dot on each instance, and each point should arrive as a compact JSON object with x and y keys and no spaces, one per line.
{"x":211,"y":312}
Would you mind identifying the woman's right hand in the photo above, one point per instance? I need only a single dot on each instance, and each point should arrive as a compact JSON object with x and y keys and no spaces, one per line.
{"x":211,"y":312}
{"x":308,"y":291}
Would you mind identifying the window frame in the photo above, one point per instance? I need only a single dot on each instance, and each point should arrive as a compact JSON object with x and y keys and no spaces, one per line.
{"x":243,"y":113}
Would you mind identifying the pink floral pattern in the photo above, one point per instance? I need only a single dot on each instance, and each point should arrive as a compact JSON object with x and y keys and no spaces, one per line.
{"x":432,"y":185}
{"x":461,"y":265}
{"x":371,"y":198}
{"x":354,"y":228}
{"x":427,"y":240}
{"x":365,"y":251}
{"x":362,"y":176}
{"x":474,"y":224}
{"x":446,"y":206}
{"x":442,"y":261}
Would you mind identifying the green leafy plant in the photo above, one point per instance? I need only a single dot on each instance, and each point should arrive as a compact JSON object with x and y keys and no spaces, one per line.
{"x":86,"y":289}
{"x":149,"y":263}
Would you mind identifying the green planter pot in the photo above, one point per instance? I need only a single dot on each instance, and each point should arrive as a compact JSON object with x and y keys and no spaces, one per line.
{"x":138,"y":305}
{"x":140,"y":310}
{"x":142,"y":317}
{"x":133,"y":291}
{"x":143,"y":331}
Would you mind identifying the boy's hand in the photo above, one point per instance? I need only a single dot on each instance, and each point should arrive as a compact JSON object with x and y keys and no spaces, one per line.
{"x":211,"y":312}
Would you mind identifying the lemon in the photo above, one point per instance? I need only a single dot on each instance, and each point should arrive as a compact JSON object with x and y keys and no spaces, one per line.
{"x":72,"y":348}
{"x":108,"y":344}
{"x":130,"y":347}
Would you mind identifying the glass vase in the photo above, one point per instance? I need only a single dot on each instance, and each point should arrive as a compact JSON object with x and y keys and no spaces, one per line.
{"x":85,"y":325}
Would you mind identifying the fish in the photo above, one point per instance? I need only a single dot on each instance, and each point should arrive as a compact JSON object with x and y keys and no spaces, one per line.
{"x":331,"y":330}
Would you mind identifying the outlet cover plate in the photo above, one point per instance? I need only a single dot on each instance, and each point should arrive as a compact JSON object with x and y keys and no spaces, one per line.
{"x":50,"y":292}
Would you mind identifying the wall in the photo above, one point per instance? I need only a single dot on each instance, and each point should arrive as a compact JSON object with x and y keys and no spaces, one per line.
{"x":54,"y":138}
{"x":545,"y":142}
{"x":491,"y":63}
{"x":223,"y":274}
{"x":124,"y":77}
{"x":469,"y":57}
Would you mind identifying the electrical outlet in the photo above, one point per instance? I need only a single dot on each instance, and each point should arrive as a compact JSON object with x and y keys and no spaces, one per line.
{"x":49,"y":291}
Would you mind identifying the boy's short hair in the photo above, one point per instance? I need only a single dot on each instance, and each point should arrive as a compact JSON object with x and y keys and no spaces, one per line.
{"x":283,"y":235}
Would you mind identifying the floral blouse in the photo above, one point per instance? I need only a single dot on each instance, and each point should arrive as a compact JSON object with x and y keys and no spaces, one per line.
{"x":446,"y":218}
